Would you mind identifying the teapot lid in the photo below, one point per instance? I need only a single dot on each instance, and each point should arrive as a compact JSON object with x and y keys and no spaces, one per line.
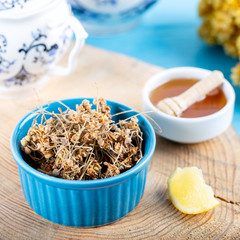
{"x":21,"y":8}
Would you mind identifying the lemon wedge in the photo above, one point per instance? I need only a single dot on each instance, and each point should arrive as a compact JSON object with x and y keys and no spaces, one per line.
{"x":188,"y":191}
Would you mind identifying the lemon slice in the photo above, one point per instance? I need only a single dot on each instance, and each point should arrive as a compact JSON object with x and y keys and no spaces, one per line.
{"x":189,"y":193}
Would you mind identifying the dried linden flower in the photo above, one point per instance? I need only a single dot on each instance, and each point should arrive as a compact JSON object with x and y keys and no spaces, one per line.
{"x":235,"y":76}
{"x":83,"y":144}
{"x":221,"y":25}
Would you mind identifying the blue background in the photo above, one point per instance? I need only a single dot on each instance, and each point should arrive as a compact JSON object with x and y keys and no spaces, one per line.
{"x":167,"y":37}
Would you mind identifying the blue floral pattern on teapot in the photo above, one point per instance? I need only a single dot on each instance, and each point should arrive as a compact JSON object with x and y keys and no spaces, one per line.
{"x":106,"y":2}
{"x":4,"y":63}
{"x":35,"y":52}
{"x":9,"y":4}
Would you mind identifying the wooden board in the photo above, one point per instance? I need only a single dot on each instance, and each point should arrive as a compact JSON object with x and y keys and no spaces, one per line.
{"x":121,"y":79}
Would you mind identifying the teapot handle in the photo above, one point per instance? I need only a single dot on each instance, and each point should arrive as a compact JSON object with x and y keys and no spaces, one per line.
{"x":80,"y":36}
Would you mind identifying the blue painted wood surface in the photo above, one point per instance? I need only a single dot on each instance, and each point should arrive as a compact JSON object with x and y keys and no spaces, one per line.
{"x":167,"y":36}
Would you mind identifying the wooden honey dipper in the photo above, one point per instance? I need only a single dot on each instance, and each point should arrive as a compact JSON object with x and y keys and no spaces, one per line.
{"x":176,"y":105}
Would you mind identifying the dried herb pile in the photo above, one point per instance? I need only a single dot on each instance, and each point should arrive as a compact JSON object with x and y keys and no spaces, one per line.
{"x":84,"y":144}
{"x":221,"y":26}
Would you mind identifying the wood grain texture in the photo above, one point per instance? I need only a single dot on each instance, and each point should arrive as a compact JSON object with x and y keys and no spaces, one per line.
{"x":121,"y":79}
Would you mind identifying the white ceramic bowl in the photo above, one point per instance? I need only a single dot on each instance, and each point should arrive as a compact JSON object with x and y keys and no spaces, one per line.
{"x":188,"y":130}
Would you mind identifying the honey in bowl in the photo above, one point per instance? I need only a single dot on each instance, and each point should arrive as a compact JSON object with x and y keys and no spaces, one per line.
{"x":213,"y":102}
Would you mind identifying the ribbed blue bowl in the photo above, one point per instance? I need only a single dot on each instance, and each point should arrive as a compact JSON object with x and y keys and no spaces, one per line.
{"x":85,"y":203}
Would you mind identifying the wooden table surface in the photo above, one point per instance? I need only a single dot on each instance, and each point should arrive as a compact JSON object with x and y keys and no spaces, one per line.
{"x":121,"y":79}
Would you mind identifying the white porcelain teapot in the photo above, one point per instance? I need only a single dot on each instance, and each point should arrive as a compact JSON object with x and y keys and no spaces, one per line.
{"x":33,"y":37}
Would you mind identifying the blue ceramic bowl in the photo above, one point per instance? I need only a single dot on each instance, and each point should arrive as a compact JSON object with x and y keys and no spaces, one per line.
{"x":85,"y":203}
